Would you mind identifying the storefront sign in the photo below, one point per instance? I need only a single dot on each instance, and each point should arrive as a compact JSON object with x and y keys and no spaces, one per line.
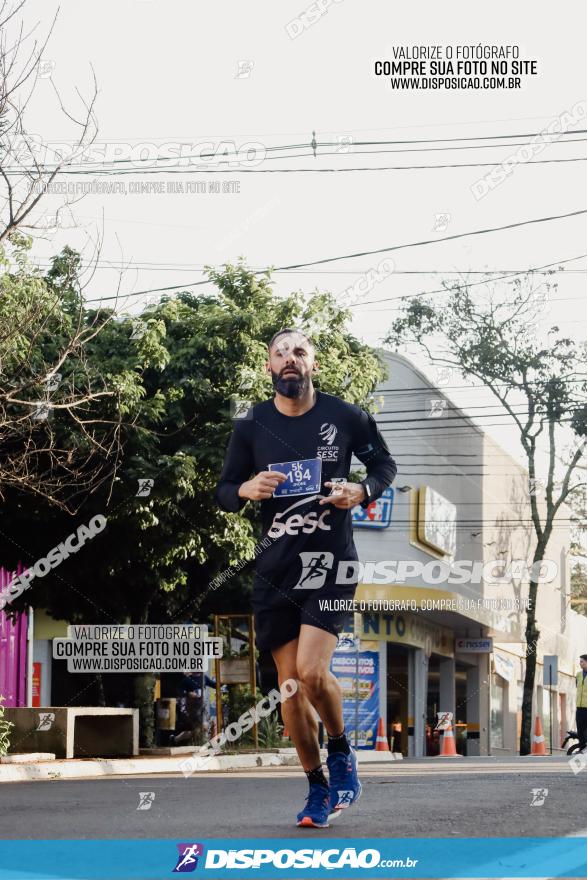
{"x":237,"y":671}
{"x":437,"y":521}
{"x":550,"y":670}
{"x":377,"y":515}
{"x":474,"y":646}
{"x":408,"y":629}
{"x":360,"y":699}
{"x":504,"y":667}
{"x":37,"y":672}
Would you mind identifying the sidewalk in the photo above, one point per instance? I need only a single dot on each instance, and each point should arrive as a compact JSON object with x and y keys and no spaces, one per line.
{"x":82,"y":768}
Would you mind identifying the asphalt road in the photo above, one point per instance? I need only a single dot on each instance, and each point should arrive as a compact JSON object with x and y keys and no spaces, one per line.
{"x":430,"y":798}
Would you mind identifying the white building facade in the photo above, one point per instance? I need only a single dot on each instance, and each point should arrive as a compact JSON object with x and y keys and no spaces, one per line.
{"x":459,"y":511}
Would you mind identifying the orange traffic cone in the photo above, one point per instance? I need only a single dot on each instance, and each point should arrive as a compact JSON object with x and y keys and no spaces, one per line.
{"x":381,"y":744}
{"x":448,"y":748}
{"x":538,"y":744}
{"x":285,"y":731}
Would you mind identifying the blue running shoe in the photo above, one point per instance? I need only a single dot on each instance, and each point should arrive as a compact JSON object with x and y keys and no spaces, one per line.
{"x":315,"y":813}
{"x":345,"y":788}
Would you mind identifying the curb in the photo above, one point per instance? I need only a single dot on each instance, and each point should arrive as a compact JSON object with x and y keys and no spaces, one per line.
{"x":364,"y":756}
{"x":101,"y":767}
{"x":27,"y":758}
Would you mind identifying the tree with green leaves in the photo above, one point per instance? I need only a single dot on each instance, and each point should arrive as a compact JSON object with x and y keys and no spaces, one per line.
{"x":492,"y":336}
{"x":5,"y":728}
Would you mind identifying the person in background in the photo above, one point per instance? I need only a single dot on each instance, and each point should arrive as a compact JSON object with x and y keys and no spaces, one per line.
{"x":581,"y":715}
{"x":191,"y":708}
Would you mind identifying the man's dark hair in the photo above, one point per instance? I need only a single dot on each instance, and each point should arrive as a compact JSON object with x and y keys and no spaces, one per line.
{"x":583,"y":657}
{"x":286,"y":331}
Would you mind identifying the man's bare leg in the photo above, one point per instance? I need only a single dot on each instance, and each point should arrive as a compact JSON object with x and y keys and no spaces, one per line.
{"x":315,"y":649}
{"x":296,"y":711}
{"x":314,"y":653}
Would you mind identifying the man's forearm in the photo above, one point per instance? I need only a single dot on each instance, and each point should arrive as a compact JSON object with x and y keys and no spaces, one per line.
{"x":228,"y":497}
{"x":380,"y":475}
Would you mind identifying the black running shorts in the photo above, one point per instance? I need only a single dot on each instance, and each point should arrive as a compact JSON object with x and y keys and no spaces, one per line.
{"x":279,"y":623}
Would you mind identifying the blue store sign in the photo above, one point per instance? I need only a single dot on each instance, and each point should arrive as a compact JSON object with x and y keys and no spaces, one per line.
{"x":360,"y":697}
{"x":377,"y":515}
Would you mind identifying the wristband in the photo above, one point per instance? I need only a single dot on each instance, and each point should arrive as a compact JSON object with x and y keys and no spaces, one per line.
{"x":368,"y":493}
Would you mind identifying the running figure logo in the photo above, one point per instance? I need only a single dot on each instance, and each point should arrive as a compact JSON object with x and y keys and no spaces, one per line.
{"x":46,"y":719}
{"x":539,"y":795}
{"x":188,"y":857}
{"x":146,"y":799}
{"x":345,"y":798}
{"x":315,"y":567}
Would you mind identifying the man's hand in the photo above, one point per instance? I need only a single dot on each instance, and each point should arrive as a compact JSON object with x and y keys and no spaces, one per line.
{"x":261,"y":487}
{"x":348,"y":495}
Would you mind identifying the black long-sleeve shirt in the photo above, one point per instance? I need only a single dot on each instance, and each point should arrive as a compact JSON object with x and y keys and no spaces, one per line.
{"x":329,"y":434}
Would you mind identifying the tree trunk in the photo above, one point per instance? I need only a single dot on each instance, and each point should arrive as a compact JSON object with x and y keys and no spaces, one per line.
{"x":143,"y":687}
{"x":532,"y":636}
{"x":144,"y":693}
{"x":195,"y":712}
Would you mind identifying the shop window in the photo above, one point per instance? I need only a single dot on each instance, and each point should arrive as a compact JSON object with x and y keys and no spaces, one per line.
{"x":547,"y":708}
{"x":520,"y":698}
{"x":498,"y":704}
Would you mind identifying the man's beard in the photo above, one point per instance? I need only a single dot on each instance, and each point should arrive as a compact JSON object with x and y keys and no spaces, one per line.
{"x":292,"y":386}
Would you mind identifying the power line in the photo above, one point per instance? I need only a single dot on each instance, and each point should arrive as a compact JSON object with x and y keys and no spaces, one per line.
{"x":435,"y":427}
{"x":150,"y":171}
{"x":559,"y":522}
{"x":480,"y":503}
{"x":179,"y":267}
{"x":402,"y":473}
{"x":463,"y":417}
{"x":337,"y":133}
{"x":454,"y":237}
{"x":456,"y":409}
{"x":491,"y":137}
{"x":475,"y":458}
{"x":415,"y":388}
{"x":385,"y":250}
{"x":462,"y":286}
{"x":466,"y":143}
{"x":479,"y":456}
{"x":108,"y":166}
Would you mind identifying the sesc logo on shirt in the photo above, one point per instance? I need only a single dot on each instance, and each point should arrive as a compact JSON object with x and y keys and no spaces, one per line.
{"x":328,"y":433}
{"x":297,"y":523}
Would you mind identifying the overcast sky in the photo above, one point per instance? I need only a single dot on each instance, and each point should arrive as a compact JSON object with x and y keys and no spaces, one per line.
{"x":168,"y":73}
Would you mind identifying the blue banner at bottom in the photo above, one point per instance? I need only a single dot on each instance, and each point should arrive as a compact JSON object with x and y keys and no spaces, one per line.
{"x":283,"y":858}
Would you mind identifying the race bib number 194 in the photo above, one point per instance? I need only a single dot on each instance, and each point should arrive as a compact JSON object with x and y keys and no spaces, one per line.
{"x":302,"y":477}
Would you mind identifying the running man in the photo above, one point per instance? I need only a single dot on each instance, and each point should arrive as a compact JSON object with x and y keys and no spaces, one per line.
{"x":295,"y":445}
